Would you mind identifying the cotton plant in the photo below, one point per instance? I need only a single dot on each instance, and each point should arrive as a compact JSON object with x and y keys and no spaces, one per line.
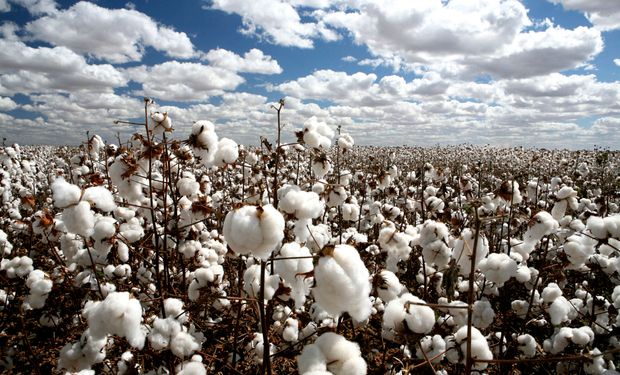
{"x":331,"y":354}
{"x":169,"y":332}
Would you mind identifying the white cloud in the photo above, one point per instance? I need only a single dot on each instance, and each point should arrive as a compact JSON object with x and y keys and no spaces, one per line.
{"x":114,"y":35}
{"x":25,"y":69}
{"x":4,"y":6}
{"x":464,"y":38}
{"x":278,"y":21}
{"x":603,"y":14}
{"x":183,"y":81}
{"x":349,"y":58}
{"x":7,"y":104}
{"x":253,"y":61}
{"x":37,"y":7}
{"x":617,"y":62}
{"x":8,"y":31}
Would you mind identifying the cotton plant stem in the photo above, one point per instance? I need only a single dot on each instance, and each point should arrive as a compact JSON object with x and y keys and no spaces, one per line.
{"x":470,"y":296}
{"x":263,"y":320}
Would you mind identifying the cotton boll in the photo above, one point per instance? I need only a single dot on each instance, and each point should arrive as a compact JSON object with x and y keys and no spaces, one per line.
{"x":192,"y":367}
{"x":345,"y":141}
{"x":16,"y":267}
{"x":317,"y":134}
{"x":254,"y":229}
{"x":118,"y":314}
{"x":5,"y":246}
{"x":79,"y":219}
{"x":302,"y":204}
{"x":395,"y":243}
{"x":559,"y":311}
{"x":331,"y":352}
{"x":579,"y":249}
{"x":132,"y":230}
{"x":388,"y":286}
{"x":64,"y":193}
{"x":40,"y":286}
{"x":204,"y":142}
{"x":188,"y":186}
{"x":183,"y":344}
{"x":596,"y":226}
{"x":342,"y":283}
{"x":483,"y":314}
{"x":551,"y":292}
{"x":479,"y":347}
{"x":612,"y":226}
{"x":294,"y":271}
{"x":463,"y":251}
{"x":162,"y":332}
{"x":252,"y":279}
{"x":434,"y":242}
{"x":337,"y":196}
{"x":407,"y":312}
{"x":498,"y":268}
{"x":256,"y":348}
{"x":83,"y":354}
{"x":527,"y":345}
{"x":202,"y":277}
{"x":350,"y":211}
{"x":290,"y":332}
{"x":227,"y":152}
{"x":433,"y":347}
{"x":597,"y":363}
{"x":100,"y":198}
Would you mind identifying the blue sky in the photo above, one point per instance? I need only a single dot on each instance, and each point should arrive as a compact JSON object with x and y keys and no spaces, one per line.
{"x":540,"y":73}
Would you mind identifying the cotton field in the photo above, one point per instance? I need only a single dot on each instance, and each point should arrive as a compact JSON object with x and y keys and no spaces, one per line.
{"x":196,"y":255}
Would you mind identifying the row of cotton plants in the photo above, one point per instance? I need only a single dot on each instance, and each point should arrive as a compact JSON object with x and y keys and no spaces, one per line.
{"x":161,"y":255}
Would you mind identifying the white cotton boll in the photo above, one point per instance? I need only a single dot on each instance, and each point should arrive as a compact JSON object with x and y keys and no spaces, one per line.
{"x":559,"y":311}
{"x":551,"y":292}
{"x":119,"y":314}
{"x":192,"y":367}
{"x":122,"y":250}
{"x":433,"y":239}
{"x":162,"y":332}
{"x":174,"y":309}
{"x":583,"y":336}
{"x":407,"y":312}
{"x":388,"y":286}
{"x":337,"y":196}
{"x":302,"y":204}
{"x":251,"y":282}
{"x":596,"y":365}
{"x":596,"y":226}
{"x":479,"y":346}
{"x":160,"y":122}
{"x":433,"y":347}
{"x":189,"y":248}
{"x":345,"y":141}
{"x":498,"y":268}
{"x":16,"y":267}
{"x":254,"y":230}
{"x":294,"y":271}
{"x":100,"y":198}
{"x":527,"y":345}
{"x":342,"y":283}
{"x":104,"y":228}
{"x":395,"y":243}
{"x":64,"y":193}
{"x":203,"y":277}
{"x":79,"y":219}
{"x":290,"y":332}
{"x":83,"y":354}
{"x":559,"y":209}
{"x":204,"y":141}
{"x":463,"y":251}
{"x":483,"y":314}
{"x":188,"y":186}
{"x":612,"y":225}
{"x":227,"y":152}
{"x":350,"y":211}
{"x":317,"y":134}
{"x":256,"y":348}
{"x":579,"y":249}
{"x":319,"y":187}
{"x":40,"y":286}
{"x":331,"y":352}
{"x":5,"y":246}
{"x":183,"y":344}
{"x":321,"y":167}
{"x":132,"y":230}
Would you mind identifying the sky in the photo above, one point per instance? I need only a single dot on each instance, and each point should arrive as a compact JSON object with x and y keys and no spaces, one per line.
{"x":534,"y":73}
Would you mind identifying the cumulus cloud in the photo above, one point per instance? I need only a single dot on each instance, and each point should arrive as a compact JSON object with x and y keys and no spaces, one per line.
{"x":253,"y":61}
{"x":7,"y":104}
{"x":603,"y":14}
{"x":37,"y":7}
{"x":25,"y":69}
{"x":114,"y":35}
{"x":4,"y":6}
{"x":278,"y":21}
{"x":617,"y":62}
{"x":183,"y":81}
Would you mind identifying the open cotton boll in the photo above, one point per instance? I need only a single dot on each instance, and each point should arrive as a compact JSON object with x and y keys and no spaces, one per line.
{"x":119,"y":314}
{"x":337,"y":196}
{"x":433,"y":239}
{"x":433,"y":347}
{"x":463,"y":251}
{"x":188,"y":186}
{"x":256,"y":348}
{"x":559,"y":311}
{"x":40,"y":286}
{"x":192,"y":367}
{"x":498,"y":268}
{"x":321,"y":167}
{"x":160,"y":122}
{"x":16,"y":267}
{"x":564,"y":336}
{"x":407,"y":312}
{"x":79,"y":219}
{"x":104,"y":228}
{"x":290,"y":332}
{"x":342,"y":283}
{"x":317,"y":134}
{"x":331,"y":352}
{"x":350,"y":211}
{"x":255,"y":230}
{"x":395,"y":243}
{"x":578,"y":249}
{"x":596,"y":226}
{"x":83,"y":354}
{"x":100,"y":198}
{"x":202,"y":277}
{"x":129,"y":186}
{"x":204,"y":141}
{"x":483,"y":314}
{"x":527,"y":345}
{"x":479,"y":347}
{"x":227,"y":152}
{"x":294,"y":271}
{"x":345,"y":141}
{"x":612,"y":225}
{"x":64,"y":193}
{"x":5,"y":246}
{"x":252,"y":279}
{"x":302,"y":204}
{"x":388,"y":286}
